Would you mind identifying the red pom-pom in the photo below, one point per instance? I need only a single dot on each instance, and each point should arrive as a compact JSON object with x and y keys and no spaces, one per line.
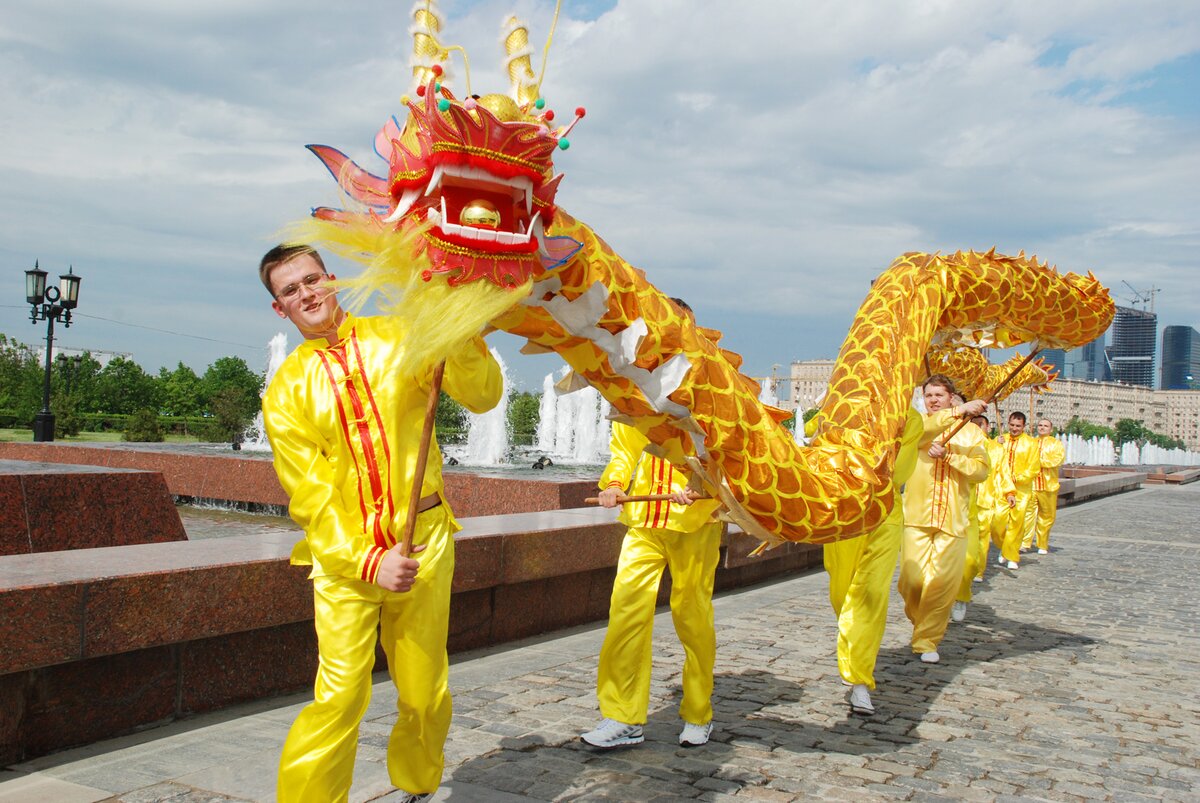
{"x":426,"y":275}
{"x":436,"y":69}
{"x":581,"y":112}
{"x":421,"y":90}
{"x":549,"y":115}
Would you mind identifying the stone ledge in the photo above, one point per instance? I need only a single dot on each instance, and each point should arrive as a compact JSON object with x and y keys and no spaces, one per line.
{"x":156,"y":632}
{"x":50,"y":507}
{"x":252,"y":481}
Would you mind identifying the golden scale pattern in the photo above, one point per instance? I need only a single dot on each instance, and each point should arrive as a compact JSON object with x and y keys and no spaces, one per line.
{"x":839,"y":486}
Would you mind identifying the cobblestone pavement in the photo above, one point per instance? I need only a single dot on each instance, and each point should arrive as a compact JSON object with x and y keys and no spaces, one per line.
{"x":1073,"y":678}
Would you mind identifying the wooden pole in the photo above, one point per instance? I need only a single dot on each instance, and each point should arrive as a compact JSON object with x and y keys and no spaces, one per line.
{"x":414,"y":497}
{"x":595,"y":500}
{"x":1032,"y":353}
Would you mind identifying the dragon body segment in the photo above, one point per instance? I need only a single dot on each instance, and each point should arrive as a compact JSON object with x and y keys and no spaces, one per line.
{"x":569,"y":292}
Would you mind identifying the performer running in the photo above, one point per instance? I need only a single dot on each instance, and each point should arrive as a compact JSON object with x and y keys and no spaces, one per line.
{"x":679,"y":533}
{"x":1020,"y":465}
{"x":1051,"y":454}
{"x":934,"y":547}
{"x":990,"y":499}
{"x":860,"y":578}
{"x":344,"y":424}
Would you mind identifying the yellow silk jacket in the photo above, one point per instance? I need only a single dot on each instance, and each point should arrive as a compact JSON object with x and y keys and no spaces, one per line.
{"x":1051,"y":454}
{"x":345,"y":428}
{"x":993,"y":492}
{"x":1020,"y":463}
{"x":641,"y":473}
{"x":937,"y":495}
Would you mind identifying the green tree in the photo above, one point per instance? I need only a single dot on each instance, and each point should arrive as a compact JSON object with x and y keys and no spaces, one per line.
{"x":20,"y":380}
{"x":230,"y":410}
{"x":123,"y":387}
{"x":143,"y":427}
{"x":181,"y":391}
{"x":85,"y":384}
{"x":523,"y":416}
{"x":232,"y":372}
{"x":450,"y":419}
{"x":1130,"y":431}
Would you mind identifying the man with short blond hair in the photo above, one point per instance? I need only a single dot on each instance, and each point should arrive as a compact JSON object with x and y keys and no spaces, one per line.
{"x":345,"y":423}
{"x":934,"y":547}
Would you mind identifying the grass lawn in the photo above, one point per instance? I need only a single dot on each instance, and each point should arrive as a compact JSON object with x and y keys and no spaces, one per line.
{"x":26,"y":436}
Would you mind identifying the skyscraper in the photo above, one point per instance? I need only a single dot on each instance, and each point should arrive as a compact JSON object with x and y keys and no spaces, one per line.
{"x":1180,"y":358}
{"x":1131,"y":352}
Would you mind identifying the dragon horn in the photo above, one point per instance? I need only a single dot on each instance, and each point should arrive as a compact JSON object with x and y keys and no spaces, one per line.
{"x":427,"y":51}
{"x":520,"y":69}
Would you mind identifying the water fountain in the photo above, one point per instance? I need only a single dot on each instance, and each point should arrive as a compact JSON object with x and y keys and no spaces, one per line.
{"x":487,"y":433}
{"x":255,"y":437}
{"x":573,"y":427}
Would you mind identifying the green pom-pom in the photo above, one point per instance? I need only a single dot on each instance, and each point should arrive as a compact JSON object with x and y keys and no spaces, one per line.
{"x":563,"y":144}
{"x":443,"y":105}
{"x":540,"y":103}
{"x":437,"y":87}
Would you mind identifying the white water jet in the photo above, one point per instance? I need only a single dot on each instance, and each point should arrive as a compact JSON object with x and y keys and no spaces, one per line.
{"x":487,"y":433}
{"x":767,"y":394}
{"x":573,"y":427}
{"x":254,"y":439}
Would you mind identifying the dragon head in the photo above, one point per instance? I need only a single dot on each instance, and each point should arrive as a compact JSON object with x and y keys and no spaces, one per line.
{"x":475,"y":176}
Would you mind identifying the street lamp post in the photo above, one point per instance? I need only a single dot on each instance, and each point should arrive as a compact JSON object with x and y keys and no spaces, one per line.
{"x":49,"y":304}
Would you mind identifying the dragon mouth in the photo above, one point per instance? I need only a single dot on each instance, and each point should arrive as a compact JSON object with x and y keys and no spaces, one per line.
{"x":493,"y":214}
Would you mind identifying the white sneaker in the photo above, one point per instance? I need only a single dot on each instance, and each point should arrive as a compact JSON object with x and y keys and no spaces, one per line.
{"x":860,"y":700}
{"x":958,"y":611}
{"x":1000,"y":561}
{"x":1012,"y":564}
{"x":610,"y":733}
{"x":930,"y":657}
{"x":1043,"y":552}
{"x":695,"y":735}
{"x":977,"y":580}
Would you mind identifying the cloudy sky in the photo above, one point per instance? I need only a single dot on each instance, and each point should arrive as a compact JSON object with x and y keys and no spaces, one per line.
{"x":764,"y":160}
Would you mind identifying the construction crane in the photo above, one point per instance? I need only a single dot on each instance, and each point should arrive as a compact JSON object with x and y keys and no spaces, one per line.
{"x":1145,"y":298}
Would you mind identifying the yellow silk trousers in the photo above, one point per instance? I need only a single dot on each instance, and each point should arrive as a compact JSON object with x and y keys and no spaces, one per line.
{"x":931,"y":568}
{"x":318,"y":756}
{"x":976,"y":557}
{"x":991,"y":531}
{"x":1014,"y":531}
{"x":860,"y":581}
{"x":623,"y":677}
{"x":1030,"y":529}
{"x":1047,"y":509}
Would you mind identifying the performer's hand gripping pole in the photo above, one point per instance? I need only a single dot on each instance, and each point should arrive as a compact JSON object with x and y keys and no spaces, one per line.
{"x":1033,"y":352}
{"x":414,"y":497}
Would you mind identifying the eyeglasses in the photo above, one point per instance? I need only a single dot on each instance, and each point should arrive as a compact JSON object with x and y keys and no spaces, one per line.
{"x":292,"y":290}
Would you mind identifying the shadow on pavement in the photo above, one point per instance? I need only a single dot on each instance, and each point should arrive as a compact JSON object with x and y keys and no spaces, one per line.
{"x":761,"y":717}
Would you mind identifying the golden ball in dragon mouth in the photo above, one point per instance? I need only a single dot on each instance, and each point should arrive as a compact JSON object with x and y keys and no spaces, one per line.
{"x":481,"y":214}
{"x":504,"y":107}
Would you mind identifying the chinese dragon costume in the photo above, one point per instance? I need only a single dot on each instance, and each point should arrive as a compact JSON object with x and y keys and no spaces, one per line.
{"x":463,"y":232}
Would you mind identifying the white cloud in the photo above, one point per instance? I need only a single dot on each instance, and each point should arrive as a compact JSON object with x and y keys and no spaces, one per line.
{"x":764,"y":159}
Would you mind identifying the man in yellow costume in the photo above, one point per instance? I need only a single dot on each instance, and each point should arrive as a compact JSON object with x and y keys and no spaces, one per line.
{"x":977,"y":536}
{"x":1051,"y":454}
{"x":345,"y":424}
{"x":679,"y":533}
{"x":991,"y":503}
{"x":860,"y":578}
{"x":933,"y":550}
{"x":1020,"y":465}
